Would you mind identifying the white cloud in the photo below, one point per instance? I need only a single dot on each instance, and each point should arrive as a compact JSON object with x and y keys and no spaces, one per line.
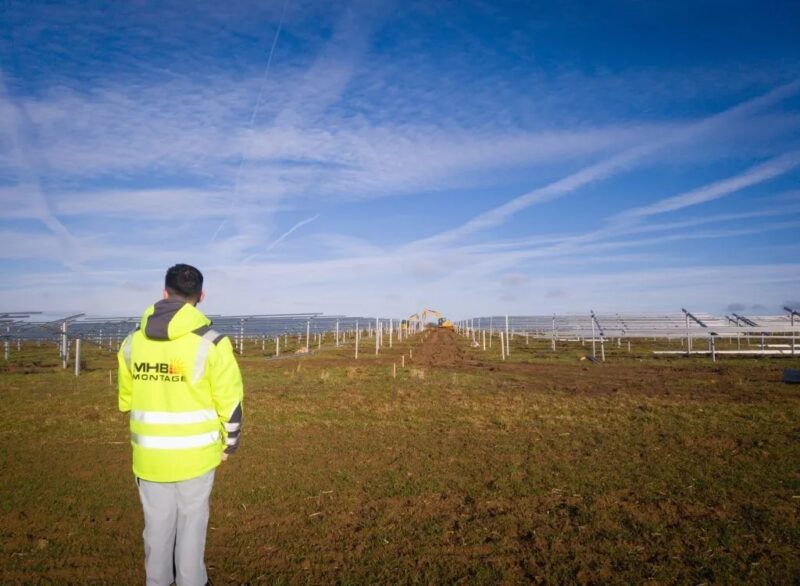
{"x":151,"y":204}
{"x":25,"y":245}
{"x":753,"y":176}
{"x":118,"y":171}
{"x":329,"y":286}
{"x":609,"y":166}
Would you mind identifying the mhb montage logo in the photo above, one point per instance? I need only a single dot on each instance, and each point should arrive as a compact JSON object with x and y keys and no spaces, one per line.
{"x":172,"y":371}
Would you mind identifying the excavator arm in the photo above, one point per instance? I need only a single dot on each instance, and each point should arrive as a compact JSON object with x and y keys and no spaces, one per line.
{"x":427,"y":312}
{"x":441,"y":321}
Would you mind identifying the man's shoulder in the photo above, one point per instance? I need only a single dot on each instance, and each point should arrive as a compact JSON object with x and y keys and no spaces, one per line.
{"x":210,"y":334}
{"x":131,"y":335}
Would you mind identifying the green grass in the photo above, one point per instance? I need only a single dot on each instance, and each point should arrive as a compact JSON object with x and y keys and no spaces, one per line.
{"x":545,"y":469}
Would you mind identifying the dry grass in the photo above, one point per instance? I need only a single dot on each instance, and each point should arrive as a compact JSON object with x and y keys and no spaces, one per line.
{"x":542,"y":468}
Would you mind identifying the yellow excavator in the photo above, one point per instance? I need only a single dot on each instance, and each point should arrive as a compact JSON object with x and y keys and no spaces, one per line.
{"x":442,"y":322}
{"x":422,"y":316}
{"x":406,"y":324}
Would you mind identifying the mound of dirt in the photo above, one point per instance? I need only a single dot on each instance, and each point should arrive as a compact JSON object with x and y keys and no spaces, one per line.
{"x":441,"y":349}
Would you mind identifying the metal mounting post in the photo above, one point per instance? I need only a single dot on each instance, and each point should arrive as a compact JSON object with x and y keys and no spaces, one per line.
{"x":792,"y":315}
{"x":64,"y":349}
{"x":507,"y":339}
{"x":78,"y":357}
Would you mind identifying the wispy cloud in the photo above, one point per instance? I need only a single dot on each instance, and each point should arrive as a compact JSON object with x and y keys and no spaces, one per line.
{"x":753,"y":176}
{"x":608,"y":167}
{"x":284,"y":236}
{"x":386,"y":141}
{"x":28,"y":169}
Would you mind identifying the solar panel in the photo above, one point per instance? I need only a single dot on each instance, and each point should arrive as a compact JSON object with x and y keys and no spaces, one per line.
{"x":265,"y":325}
{"x":634,"y":325}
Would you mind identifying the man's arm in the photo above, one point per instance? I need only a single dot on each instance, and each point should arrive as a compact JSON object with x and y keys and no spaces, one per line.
{"x":227,"y":392}
{"x":124,"y":378}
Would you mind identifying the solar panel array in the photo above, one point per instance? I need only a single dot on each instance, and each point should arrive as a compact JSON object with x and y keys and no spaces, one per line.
{"x":637,"y":325}
{"x":24,"y":325}
{"x":20,"y":326}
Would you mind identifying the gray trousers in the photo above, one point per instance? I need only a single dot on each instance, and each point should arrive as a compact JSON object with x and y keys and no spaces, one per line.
{"x":175,"y":523}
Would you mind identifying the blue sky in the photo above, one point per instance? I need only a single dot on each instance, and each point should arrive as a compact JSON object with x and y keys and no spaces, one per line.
{"x":373,"y":157}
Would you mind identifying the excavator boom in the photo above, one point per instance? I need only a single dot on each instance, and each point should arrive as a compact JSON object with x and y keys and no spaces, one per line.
{"x":442,"y":321}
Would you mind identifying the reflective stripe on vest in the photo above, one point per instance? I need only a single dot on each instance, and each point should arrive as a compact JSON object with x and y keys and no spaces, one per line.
{"x":206,"y":341}
{"x":127,"y":349}
{"x":168,"y":442}
{"x":177,"y":418}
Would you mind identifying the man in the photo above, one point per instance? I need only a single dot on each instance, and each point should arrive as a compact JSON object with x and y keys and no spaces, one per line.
{"x":179,"y":380}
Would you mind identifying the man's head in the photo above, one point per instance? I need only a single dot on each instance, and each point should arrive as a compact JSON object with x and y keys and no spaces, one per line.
{"x":184,"y":282}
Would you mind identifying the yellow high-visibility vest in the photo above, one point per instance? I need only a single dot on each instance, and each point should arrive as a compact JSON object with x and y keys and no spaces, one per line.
{"x":180,"y":382}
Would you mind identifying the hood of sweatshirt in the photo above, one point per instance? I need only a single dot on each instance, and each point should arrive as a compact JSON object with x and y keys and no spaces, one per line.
{"x":170,"y":319}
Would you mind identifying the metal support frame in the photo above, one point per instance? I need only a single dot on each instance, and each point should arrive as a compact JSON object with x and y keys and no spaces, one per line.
{"x":693,"y":318}
{"x":792,"y":314}
{"x":752,"y":324}
{"x":602,"y":337}
{"x":711,"y":335}
{"x":745,"y":320}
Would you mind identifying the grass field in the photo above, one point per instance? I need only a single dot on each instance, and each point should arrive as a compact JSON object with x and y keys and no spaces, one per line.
{"x":463,"y":469}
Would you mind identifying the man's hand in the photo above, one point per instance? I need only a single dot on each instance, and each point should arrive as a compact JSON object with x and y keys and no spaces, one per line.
{"x":224,"y":456}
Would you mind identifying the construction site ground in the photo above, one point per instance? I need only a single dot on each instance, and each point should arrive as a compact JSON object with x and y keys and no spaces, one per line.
{"x":465,"y":468}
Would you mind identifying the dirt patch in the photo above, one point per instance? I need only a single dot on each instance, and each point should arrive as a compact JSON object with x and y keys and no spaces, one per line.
{"x":463,"y":469}
{"x":440,"y":349}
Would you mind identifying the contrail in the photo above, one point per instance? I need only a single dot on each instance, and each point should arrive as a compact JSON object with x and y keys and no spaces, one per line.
{"x":290,"y":230}
{"x":753,"y":176}
{"x":254,"y":113}
{"x":286,"y":234}
{"x":29,"y":177}
{"x":629,"y":222}
{"x":605,"y":168}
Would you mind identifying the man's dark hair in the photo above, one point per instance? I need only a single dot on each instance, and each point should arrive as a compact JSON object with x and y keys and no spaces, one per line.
{"x":184,"y":281}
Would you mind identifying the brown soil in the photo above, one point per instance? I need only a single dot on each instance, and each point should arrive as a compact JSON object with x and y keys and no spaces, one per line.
{"x":444,"y":350}
{"x":440,"y":349}
{"x":539,"y":469}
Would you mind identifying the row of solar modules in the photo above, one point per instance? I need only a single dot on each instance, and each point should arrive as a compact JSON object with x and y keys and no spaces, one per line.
{"x":637,"y":324}
{"x":20,"y":326}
